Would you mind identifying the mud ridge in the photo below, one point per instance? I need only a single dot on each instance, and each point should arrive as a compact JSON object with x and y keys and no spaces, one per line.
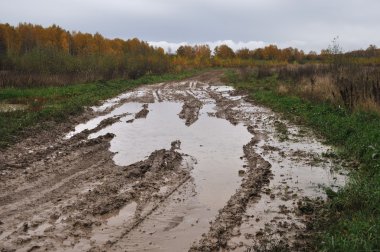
{"x":75,"y":215}
{"x":190,"y":110}
{"x":142,"y":113}
{"x":225,"y":108}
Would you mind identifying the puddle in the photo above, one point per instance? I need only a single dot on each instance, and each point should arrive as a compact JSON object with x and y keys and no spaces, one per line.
{"x":214,"y":142}
{"x":130,"y":108}
{"x":125,"y":214}
{"x":217,"y":147}
{"x":6,"y":107}
{"x":39,"y":231}
{"x":115,"y":101}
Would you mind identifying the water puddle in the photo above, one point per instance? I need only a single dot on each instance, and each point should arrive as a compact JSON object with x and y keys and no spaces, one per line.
{"x":216,"y":145}
{"x":128,"y":108}
{"x":7,"y":107}
{"x":125,"y":214}
{"x":214,"y":142}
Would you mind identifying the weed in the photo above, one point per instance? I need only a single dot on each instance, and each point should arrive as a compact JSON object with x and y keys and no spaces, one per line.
{"x":282,"y":130}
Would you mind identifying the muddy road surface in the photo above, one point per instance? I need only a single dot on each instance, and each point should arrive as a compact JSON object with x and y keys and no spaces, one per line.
{"x":179,"y":166}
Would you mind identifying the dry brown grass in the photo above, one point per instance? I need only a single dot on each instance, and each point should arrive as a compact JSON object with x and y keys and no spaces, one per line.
{"x":356,"y":87}
{"x":283,"y":89}
{"x":322,"y":88}
{"x":368,"y":105}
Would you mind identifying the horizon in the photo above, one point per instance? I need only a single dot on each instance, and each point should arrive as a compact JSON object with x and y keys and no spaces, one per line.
{"x":307,"y":26}
{"x":171,"y":48}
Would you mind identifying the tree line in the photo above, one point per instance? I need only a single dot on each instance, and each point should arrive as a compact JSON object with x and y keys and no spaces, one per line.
{"x":31,"y":52}
{"x":33,"y":55}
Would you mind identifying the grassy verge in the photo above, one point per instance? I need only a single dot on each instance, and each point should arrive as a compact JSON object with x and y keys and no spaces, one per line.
{"x":57,"y":103}
{"x":350,"y":220}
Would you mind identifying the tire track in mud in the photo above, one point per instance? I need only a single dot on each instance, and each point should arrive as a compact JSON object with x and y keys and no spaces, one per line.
{"x":62,"y":194}
{"x":230,"y":217}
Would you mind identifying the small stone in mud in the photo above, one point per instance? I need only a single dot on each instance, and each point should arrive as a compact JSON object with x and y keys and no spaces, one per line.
{"x":130,"y":121}
{"x":175,"y":145}
{"x":241,"y":172}
{"x":25,"y":227}
{"x":272,"y":196}
{"x":259,"y":233}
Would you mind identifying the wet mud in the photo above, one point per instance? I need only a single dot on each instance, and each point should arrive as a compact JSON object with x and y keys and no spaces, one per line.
{"x":177,"y":166}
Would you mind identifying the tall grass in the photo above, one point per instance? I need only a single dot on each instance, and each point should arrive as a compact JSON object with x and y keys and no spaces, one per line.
{"x":350,"y":85}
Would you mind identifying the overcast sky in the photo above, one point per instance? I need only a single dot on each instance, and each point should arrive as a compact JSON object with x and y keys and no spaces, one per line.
{"x":306,"y":24}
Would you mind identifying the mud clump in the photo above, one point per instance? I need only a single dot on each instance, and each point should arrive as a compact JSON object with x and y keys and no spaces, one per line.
{"x":225,"y":108}
{"x":175,"y":145}
{"x":142,"y":113}
{"x":158,"y":160}
{"x":103,"y":124}
{"x":190,"y":110}
{"x":109,"y":121}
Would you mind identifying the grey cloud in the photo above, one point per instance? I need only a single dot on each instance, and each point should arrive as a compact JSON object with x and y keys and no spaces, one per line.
{"x":307,"y":24}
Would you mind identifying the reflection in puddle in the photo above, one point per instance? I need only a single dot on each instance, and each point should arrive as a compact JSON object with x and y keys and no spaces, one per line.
{"x":214,"y":142}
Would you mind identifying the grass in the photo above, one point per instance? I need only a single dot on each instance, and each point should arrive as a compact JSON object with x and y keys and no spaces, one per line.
{"x":350,"y":220}
{"x":58,"y":103}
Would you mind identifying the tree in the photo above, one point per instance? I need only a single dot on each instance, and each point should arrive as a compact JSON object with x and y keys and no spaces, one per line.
{"x":186,"y":51}
{"x":243,"y":53}
{"x":224,"y":52}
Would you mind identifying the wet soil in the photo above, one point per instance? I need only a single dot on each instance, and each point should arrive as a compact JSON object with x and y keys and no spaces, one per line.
{"x":178,"y":166}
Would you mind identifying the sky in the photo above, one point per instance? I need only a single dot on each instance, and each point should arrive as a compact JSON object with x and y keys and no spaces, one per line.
{"x":305,"y":24}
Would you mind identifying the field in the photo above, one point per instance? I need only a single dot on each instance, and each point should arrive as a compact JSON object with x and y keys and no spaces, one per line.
{"x":112,"y":145}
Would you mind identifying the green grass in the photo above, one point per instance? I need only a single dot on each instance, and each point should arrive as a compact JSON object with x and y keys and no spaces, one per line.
{"x":350,"y":221}
{"x":58,"y":103}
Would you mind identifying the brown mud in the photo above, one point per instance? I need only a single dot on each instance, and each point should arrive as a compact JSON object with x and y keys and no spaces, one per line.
{"x":176,"y":166}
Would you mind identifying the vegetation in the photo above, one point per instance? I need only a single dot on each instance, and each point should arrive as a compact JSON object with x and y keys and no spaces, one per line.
{"x":350,"y":220}
{"x":47,"y":104}
{"x":31,"y":55}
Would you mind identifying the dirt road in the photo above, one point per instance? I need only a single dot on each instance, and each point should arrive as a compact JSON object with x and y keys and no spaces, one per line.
{"x":178,"y":166}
